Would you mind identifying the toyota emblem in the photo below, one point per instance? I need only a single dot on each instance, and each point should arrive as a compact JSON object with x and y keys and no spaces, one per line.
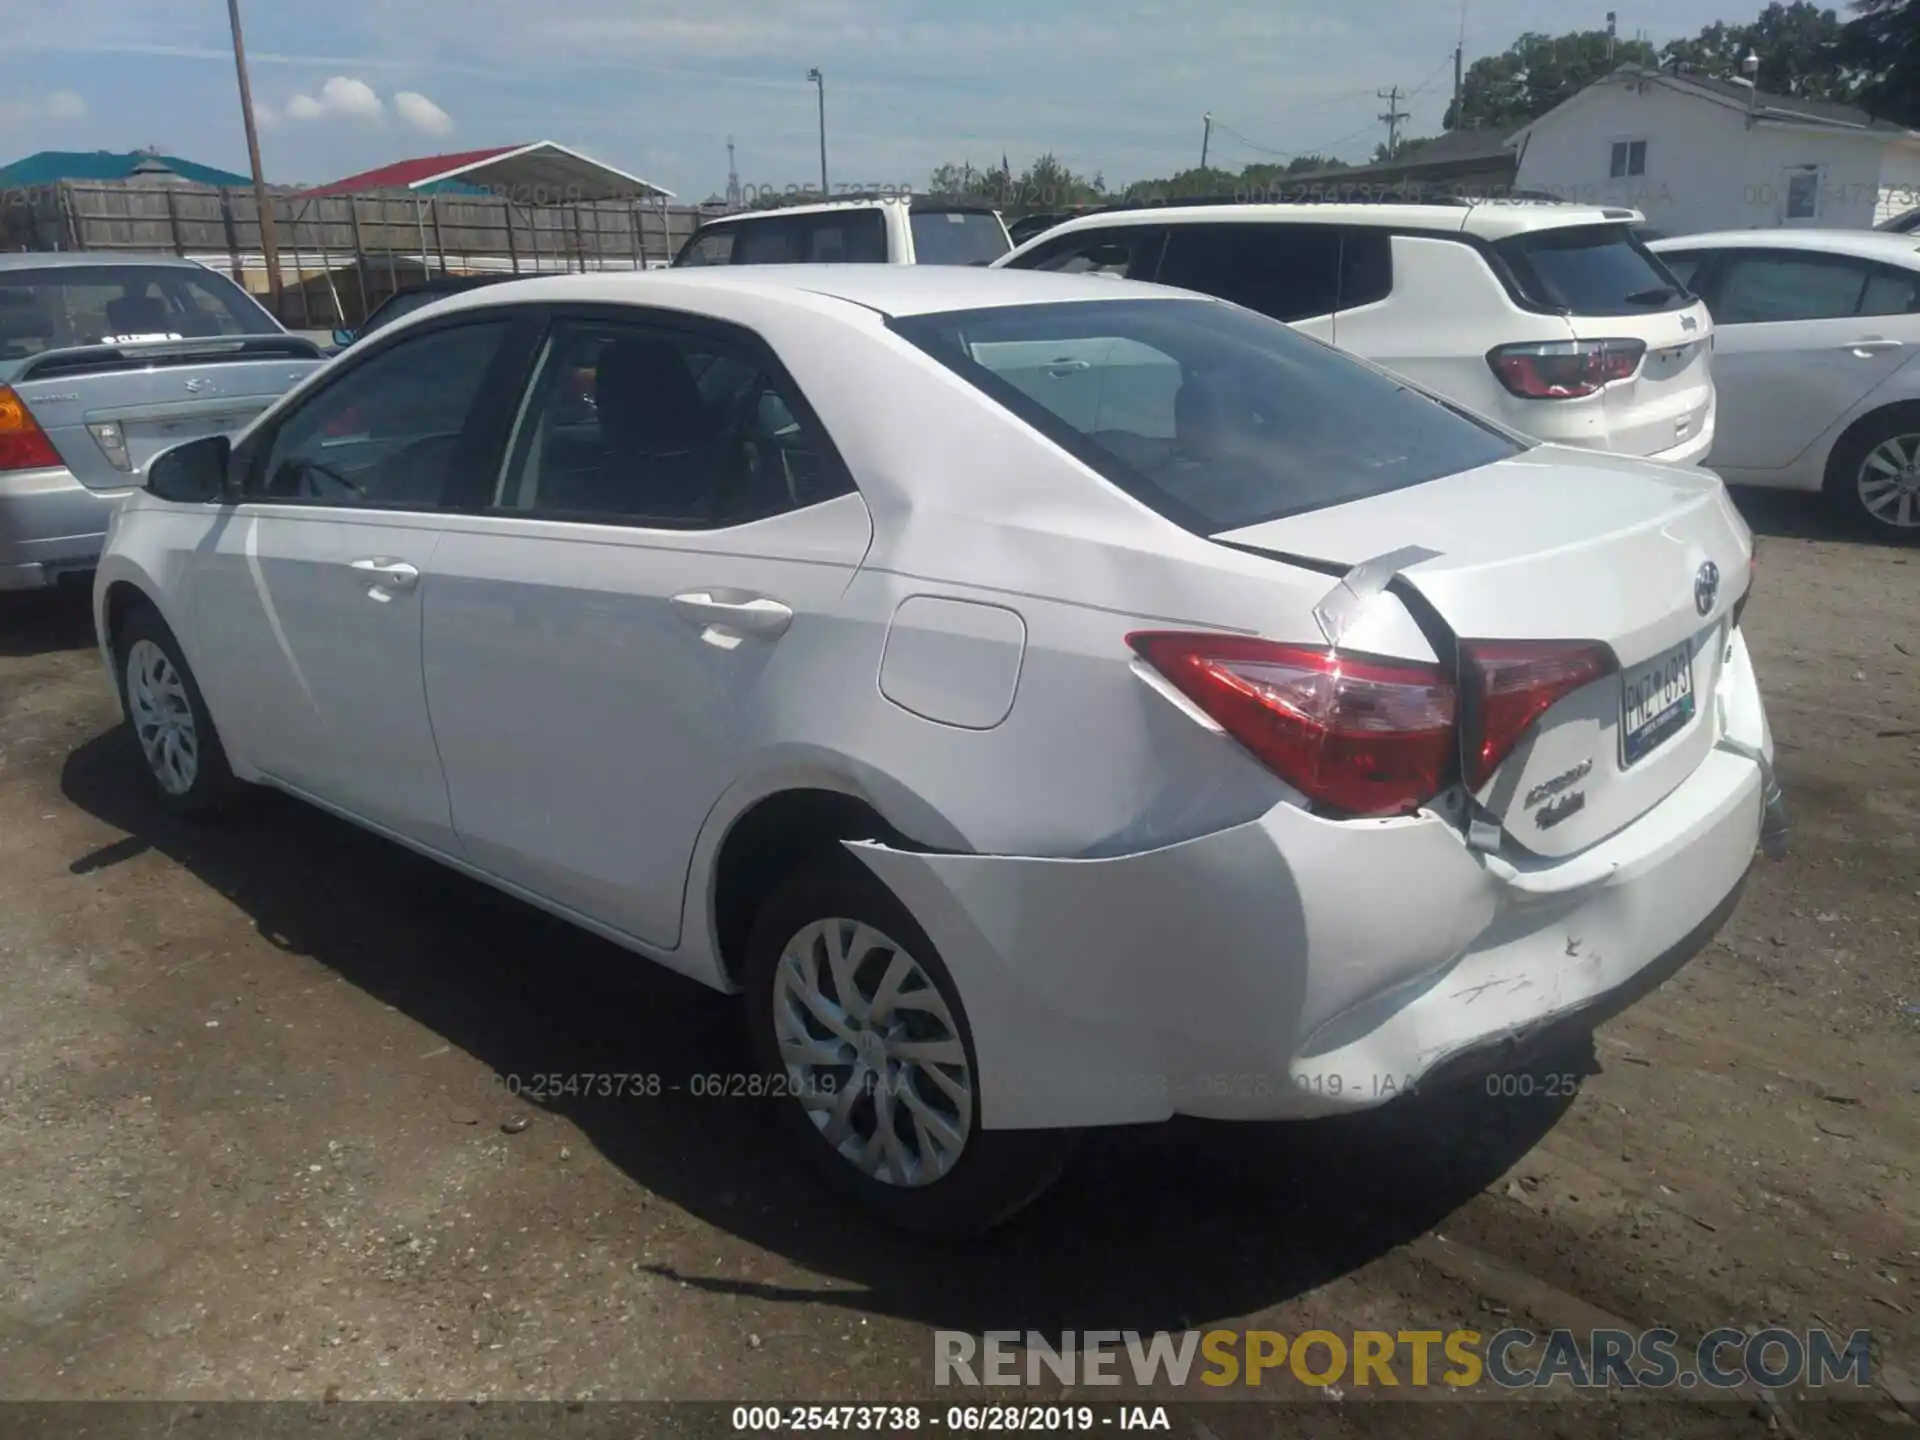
{"x":1706,"y":587}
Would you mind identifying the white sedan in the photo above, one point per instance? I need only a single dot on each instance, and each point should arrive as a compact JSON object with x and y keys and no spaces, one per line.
{"x":1816,"y":335}
{"x":1264,"y":741}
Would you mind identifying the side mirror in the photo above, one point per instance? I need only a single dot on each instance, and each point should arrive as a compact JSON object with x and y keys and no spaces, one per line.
{"x":343,"y":337}
{"x":191,"y":473}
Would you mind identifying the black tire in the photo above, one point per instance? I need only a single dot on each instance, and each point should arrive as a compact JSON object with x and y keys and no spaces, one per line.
{"x":997,"y":1172}
{"x":213,"y":787}
{"x":1843,"y":471}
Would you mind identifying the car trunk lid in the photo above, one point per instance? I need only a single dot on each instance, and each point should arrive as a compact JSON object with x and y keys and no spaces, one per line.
{"x":109,"y":409}
{"x":1559,"y":545}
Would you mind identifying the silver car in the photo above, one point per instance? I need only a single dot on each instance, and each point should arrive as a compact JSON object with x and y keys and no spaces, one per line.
{"x":105,"y":360}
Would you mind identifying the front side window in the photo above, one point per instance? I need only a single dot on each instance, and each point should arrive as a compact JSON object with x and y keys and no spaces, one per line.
{"x":1212,"y":416}
{"x":58,"y":307}
{"x":629,"y":424}
{"x":766,"y":242}
{"x":710,"y":247}
{"x":1768,"y":286}
{"x":1130,"y":252}
{"x":1289,"y":272}
{"x":850,"y":237}
{"x":386,"y":433}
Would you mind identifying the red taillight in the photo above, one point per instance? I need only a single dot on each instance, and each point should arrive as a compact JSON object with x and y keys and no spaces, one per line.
{"x":23,"y":444}
{"x":1364,"y":737}
{"x":1565,"y":369}
{"x":1510,"y":684}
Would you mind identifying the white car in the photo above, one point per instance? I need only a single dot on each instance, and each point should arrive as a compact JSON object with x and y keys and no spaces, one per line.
{"x":890,"y":230}
{"x":1553,"y":319}
{"x":1818,"y":334}
{"x":1260,"y":740}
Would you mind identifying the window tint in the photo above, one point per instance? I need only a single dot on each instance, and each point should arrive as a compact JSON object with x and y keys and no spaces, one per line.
{"x":1290,"y":272}
{"x":851,"y":237}
{"x":1131,"y":252}
{"x":1591,"y":270}
{"x":957,"y":237}
{"x":710,"y":247}
{"x":765,"y":242}
{"x":1756,"y":288}
{"x":1214,"y":417}
{"x":387,"y":432}
{"x":1891,"y":292}
{"x":1366,"y":267}
{"x":645,"y":426}
{"x":57,"y":307}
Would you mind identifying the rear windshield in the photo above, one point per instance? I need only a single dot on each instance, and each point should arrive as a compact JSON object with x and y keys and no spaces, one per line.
{"x":1212,"y":415}
{"x":68,"y":305}
{"x":957,"y":237}
{"x":1592,"y":270}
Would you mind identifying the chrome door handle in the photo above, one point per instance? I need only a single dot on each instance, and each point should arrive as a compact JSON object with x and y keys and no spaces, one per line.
{"x":387,"y":576}
{"x":755,"y":616}
{"x":1060,"y":369}
{"x":1874,"y":346}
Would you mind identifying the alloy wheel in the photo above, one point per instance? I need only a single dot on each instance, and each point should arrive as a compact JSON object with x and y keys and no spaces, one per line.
{"x":872,"y":1051}
{"x":162,"y":717}
{"x":1889,"y":482}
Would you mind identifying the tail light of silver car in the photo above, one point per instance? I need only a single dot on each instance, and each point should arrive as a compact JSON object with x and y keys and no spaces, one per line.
{"x":1364,"y":736}
{"x":1565,"y":369}
{"x":23,"y":444}
{"x":112,"y":441}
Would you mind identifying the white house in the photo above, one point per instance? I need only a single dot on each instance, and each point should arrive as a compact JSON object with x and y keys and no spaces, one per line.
{"x":1695,"y":153}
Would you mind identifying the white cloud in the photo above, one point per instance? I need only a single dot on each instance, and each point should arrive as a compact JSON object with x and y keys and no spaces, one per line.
{"x":342,"y":97}
{"x":54,"y":105}
{"x":422,"y":114}
{"x":265,"y":115}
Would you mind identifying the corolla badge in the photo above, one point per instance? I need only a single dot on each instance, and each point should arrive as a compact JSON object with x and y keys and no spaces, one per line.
{"x":1706,"y":587}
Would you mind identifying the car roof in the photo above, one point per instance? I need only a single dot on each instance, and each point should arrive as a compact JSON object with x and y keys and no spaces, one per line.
{"x":889,"y":290}
{"x":68,"y":259}
{"x":930,"y":203}
{"x":1892,"y":247}
{"x":1486,"y":220}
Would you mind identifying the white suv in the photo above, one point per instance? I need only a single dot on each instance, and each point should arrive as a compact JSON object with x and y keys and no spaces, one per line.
{"x":1555,"y":319}
{"x":893,"y":230}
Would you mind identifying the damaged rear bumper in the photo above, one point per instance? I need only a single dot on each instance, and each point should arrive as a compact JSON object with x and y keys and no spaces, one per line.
{"x":1297,"y":966}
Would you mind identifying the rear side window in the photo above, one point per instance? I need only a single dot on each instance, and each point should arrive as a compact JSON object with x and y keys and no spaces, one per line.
{"x":68,"y":305}
{"x":1592,"y":270}
{"x":1891,"y":292}
{"x":1290,"y":272}
{"x":1759,"y":287}
{"x":1366,"y":267}
{"x":957,"y":237}
{"x":1214,"y":417}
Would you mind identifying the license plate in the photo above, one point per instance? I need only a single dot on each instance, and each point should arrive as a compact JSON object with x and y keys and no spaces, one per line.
{"x":1655,"y":701}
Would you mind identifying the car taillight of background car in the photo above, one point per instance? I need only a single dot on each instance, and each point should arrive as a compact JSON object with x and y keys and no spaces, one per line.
{"x":1565,"y":369}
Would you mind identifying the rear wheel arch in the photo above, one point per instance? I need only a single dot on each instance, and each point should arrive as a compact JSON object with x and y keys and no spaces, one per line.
{"x":769,"y":839}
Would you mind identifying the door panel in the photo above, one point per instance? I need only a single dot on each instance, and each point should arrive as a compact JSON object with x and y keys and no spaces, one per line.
{"x":307,"y":598}
{"x":605,"y":644}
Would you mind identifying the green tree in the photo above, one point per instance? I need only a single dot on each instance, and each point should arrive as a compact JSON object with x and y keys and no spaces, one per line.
{"x":1797,"y":45}
{"x":1883,"y":42}
{"x":1534,"y":74}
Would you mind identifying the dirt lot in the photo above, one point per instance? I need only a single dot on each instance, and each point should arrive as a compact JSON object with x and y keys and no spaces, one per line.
{"x":252,"y":1143}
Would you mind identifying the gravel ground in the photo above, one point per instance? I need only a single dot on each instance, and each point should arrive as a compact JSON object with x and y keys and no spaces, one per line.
{"x":254,"y":1142}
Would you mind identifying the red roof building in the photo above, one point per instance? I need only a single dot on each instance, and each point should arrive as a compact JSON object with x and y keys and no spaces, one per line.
{"x":540,"y":173}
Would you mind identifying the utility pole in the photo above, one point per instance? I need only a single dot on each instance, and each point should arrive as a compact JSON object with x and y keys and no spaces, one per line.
{"x":1613,"y":21}
{"x":820,"y":84}
{"x":1393,"y":116}
{"x":1206,"y":137}
{"x":269,"y":250}
{"x":1459,"y":80}
{"x":733,"y":178}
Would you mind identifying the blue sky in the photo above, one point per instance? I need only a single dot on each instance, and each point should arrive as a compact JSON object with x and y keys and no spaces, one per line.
{"x":1117,"y":86}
